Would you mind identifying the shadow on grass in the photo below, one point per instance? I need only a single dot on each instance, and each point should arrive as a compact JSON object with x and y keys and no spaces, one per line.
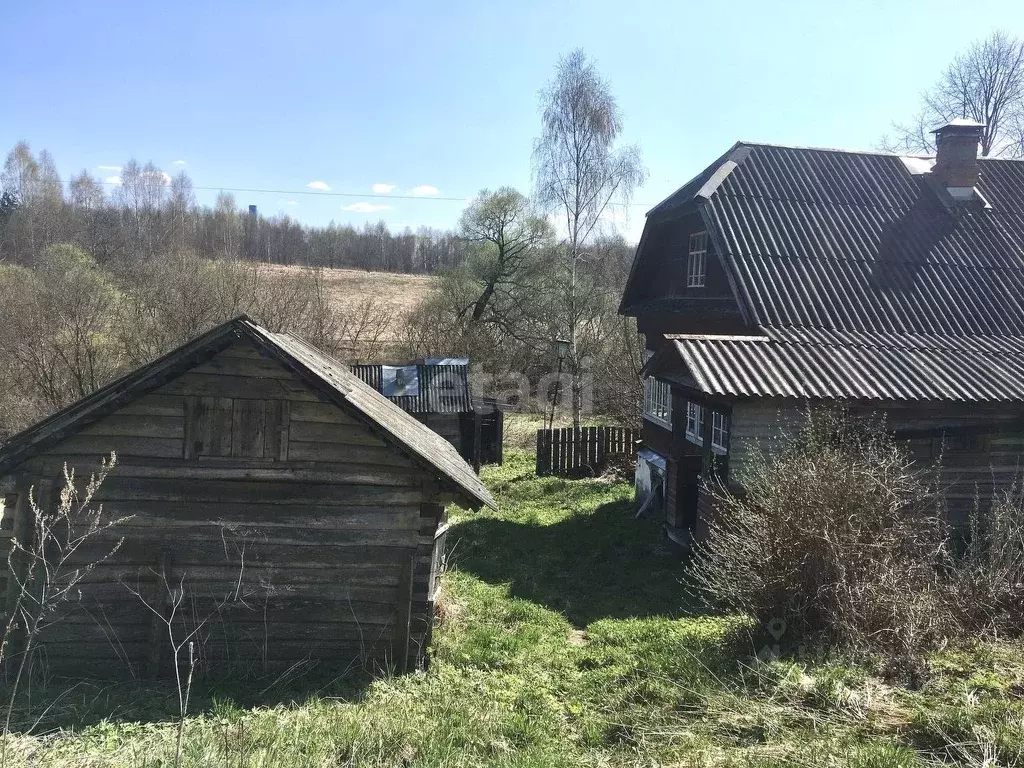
{"x":589,"y":566}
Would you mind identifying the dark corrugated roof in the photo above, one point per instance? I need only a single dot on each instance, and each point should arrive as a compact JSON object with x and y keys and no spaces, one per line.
{"x":786,"y":363}
{"x":443,"y":388}
{"x":331,"y":377}
{"x":865,"y":278}
{"x":856,"y":242}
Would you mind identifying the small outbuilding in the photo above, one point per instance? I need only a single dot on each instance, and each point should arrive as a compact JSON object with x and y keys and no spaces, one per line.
{"x":437,"y":392}
{"x":288,"y":514}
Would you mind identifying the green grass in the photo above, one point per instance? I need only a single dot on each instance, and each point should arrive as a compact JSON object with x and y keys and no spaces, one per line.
{"x":565,"y":640}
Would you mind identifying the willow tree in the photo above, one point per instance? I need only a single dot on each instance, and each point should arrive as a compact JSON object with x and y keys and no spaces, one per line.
{"x":508,"y":235}
{"x":581,"y":175}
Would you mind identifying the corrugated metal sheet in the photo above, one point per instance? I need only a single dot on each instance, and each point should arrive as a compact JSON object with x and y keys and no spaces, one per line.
{"x":743,"y":367}
{"x":855,"y":242}
{"x":443,"y":388}
{"x":995,"y":345}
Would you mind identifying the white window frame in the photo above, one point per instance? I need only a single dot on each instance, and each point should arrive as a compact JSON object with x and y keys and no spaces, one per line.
{"x":697,"y":261}
{"x":694,"y":422}
{"x":658,"y":402}
{"x":719,"y":432}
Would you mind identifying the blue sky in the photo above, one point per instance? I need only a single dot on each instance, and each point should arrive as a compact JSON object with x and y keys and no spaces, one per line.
{"x":443,"y":96}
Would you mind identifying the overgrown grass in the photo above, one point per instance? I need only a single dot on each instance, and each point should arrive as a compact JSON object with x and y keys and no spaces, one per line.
{"x":566,"y":641}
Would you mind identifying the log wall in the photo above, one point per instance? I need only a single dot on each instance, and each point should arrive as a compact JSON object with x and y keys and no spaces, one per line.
{"x":292,"y":532}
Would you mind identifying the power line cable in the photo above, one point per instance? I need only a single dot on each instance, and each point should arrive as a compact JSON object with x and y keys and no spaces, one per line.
{"x":317,"y":193}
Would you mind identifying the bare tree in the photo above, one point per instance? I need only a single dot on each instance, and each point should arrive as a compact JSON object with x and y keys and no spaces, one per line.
{"x":580,"y":175}
{"x":56,"y":326}
{"x":86,"y":192}
{"x":21,"y":178}
{"x":182,"y":201}
{"x":508,"y":233}
{"x":986,"y":84}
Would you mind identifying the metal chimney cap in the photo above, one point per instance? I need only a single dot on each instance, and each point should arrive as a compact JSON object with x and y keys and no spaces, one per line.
{"x":960,"y":125}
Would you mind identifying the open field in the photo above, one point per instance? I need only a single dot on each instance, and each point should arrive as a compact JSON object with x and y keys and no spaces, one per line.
{"x":348,"y":287}
{"x":566,"y":639}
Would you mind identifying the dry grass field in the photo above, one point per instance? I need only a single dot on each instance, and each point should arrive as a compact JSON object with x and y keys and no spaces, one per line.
{"x":349,"y":287}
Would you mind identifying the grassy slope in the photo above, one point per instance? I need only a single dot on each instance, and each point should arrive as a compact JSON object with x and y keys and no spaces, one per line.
{"x":401,"y":293}
{"x":565,"y":640}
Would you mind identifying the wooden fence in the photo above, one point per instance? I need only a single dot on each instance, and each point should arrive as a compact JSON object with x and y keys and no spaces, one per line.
{"x":583,"y":452}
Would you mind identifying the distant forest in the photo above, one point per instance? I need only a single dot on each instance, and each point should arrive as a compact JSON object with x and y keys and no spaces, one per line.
{"x":151,"y":213}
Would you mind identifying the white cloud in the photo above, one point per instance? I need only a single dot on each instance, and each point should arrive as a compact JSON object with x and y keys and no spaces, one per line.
{"x":114,"y":168}
{"x":291,"y":202}
{"x":424,"y":190}
{"x":382,"y":189}
{"x":180,"y":162}
{"x":365,"y":207}
{"x":319,"y":185}
{"x":112,"y":180}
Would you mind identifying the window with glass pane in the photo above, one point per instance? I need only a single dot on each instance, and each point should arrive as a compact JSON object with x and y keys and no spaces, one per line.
{"x":720,"y":432}
{"x":697,"y":264}
{"x":658,"y":401}
{"x":695,"y":423}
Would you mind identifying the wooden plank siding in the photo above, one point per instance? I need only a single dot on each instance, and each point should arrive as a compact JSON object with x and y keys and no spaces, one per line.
{"x":282,"y":517}
{"x":978,"y":448}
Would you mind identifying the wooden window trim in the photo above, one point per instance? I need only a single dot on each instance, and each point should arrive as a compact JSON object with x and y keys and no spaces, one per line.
{"x":695,"y":422}
{"x":719,"y":433}
{"x":697,"y":260}
{"x":658,"y":402}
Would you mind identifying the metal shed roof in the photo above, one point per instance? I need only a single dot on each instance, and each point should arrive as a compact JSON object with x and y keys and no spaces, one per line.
{"x":444,"y":387}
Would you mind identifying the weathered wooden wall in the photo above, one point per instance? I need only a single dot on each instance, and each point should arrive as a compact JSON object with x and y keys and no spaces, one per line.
{"x":979,"y":448}
{"x":298,"y":532}
{"x":759,"y":425}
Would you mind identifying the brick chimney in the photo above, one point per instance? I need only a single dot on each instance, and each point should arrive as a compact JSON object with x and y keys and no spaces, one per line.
{"x":956,"y":156}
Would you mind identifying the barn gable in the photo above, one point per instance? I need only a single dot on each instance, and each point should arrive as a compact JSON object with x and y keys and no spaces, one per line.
{"x":291,"y":502}
{"x":233,"y":387}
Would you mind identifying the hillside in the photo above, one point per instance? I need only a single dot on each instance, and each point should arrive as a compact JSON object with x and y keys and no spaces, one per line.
{"x":349,"y":287}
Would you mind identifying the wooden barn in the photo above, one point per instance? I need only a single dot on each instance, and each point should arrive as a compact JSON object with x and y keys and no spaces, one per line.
{"x":437,"y":392}
{"x":783,"y":278}
{"x":296,"y":514}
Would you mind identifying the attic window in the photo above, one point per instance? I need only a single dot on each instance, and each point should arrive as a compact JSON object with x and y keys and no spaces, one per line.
{"x":697,"y":263}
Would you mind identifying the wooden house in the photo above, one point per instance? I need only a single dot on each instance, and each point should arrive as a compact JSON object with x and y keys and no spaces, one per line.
{"x":781,"y":278}
{"x":298,"y":513}
{"x":437,"y":392}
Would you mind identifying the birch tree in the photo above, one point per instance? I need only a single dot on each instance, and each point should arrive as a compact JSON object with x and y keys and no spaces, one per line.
{"x":580,"y":175}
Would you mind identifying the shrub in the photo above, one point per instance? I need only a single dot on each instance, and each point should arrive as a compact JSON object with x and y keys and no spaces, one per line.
{"x":837,"y":540}
{"x":986,"y":585}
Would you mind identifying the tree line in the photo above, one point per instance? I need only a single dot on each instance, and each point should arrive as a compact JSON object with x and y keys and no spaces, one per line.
{"x":149,"y":214}
{"x":102,"y":282}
